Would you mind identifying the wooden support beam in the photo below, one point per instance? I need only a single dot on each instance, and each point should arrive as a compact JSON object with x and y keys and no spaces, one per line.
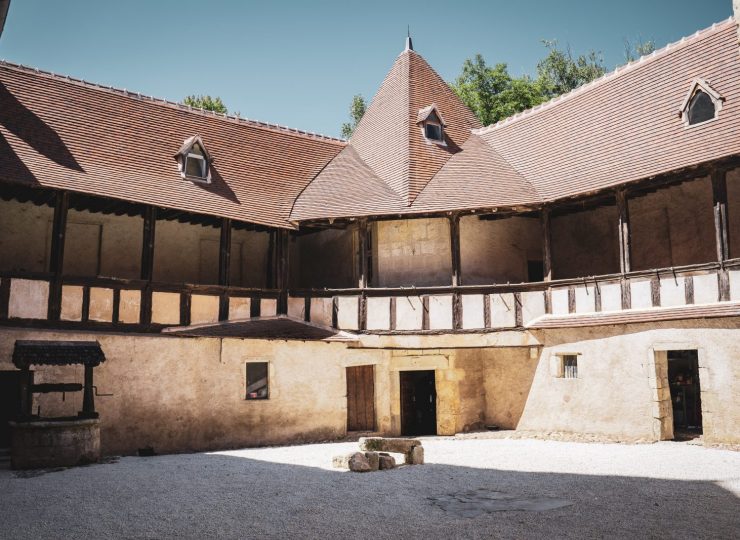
{"x":625,"y":248}
{"x":721,"y":229}
{"x":56,"y":257}
{"x":546,"y":244}
{"x":147,"y":264}
{"x":224,"y":266}
{"x":363,"y":254}
{"x":455,"y":249}
{"x":281,"y":246}
{"x":88,"y":400}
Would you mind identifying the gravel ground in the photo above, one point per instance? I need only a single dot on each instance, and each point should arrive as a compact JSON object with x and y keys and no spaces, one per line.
{"x":666,"y":490}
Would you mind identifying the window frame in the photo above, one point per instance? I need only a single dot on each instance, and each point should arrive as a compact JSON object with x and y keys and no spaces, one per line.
{"x":700,"y":85}
{"x":247,"y":385}
{"x":205,"y":165}
{"x":571,"y":373}
{"x":187,"y":152}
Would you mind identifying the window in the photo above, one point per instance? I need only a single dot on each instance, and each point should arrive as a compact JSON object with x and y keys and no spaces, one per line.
{"x":701,"y":108}
{"x":433,"y":132}
{"x":257,"y":383}
{"x":570,"y":366}
{"x":194,"y":161}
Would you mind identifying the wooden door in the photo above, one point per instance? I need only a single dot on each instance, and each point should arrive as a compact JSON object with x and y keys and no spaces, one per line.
{"x":10,"y":403}
{"x":361,"y":398}
{"x":418,"y":403}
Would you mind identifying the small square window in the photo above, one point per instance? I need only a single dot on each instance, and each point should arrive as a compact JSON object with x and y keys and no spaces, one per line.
{"x":433,"y":132}
{"x":570,"y":366}
{"x":257,"y":383}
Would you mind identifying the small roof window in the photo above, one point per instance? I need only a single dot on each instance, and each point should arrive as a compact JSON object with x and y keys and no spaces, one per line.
{"x":194,"y":161}
{"x":432,"y":123}
{"x":701,"y":104}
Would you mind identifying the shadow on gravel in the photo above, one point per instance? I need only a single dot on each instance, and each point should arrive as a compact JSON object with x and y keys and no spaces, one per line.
{"x":212,"y":495}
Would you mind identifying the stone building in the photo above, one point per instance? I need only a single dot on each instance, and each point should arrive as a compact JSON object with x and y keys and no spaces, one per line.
{"x":574,"y":268}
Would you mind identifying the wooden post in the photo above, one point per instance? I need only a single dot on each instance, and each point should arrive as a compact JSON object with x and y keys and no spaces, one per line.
{"x":56,"y":257}
{"x":456,"y":271}
{"x":224,"y":267}
{"x":88,"y":401}
{"x":281,"y":240}
{"x":363,"y":248}
{"x":546,"y":244}
{"x":721,"y":229}
{"x":625,"y":249}
{"x":147,"y":264}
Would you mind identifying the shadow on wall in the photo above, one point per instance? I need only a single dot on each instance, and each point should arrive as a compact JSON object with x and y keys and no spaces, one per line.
{"x":25,"y":125}
{"x":206,"y":495}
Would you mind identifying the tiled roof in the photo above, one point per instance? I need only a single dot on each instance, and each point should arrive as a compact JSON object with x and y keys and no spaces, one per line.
{"x":64,"y":133}
{"x":625,"y":126}
{"x":283,"y":328}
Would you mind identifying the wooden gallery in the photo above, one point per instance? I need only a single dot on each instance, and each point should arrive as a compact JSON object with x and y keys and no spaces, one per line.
{"x":574,"y":268}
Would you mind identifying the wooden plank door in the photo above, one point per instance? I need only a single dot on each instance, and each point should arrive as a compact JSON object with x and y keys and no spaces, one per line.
{"x":360,"y":398}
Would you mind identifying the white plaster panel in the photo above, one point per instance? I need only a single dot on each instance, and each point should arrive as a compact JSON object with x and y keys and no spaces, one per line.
{"x":585,"y":299}
{"x":672,"y":292}
{"x":101,"y":304}
{"x":409,"y":313}
{"x":611,"y":297}
{"x":472,"y":311}
{"x":129,"y":307}
{"x":347,"y":316}
{"x":165,"y":308}
{"x":239,"y":307}
{"x":297,"y":307}
{"x":268,"y":307}
{"x":29,"y":299}
{"x":71,"y":303}
{"x":734,"y":284}
{"x":560,"y":301}
{"x":503,"y":310}
{"x":203,"y":309}
{"x":321,"y":311}
{"x":706,"y":289}
{"x":378,"y":313}
{"x":533,"y":305}
{"x":640,"y":295}
{"x":440,"y":312}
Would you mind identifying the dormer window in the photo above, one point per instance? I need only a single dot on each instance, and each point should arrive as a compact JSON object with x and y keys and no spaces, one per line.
{"x":432,"y":124}
{"x":194,"y":161}
{"x":701,"y":104}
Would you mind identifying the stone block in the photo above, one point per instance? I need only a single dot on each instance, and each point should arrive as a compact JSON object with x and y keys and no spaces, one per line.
{"x":347,"y":318}
{"x":409,"y":313}
{"x":29,"y":299}
{"x":239,"y":307}
{"x":472,"y":309}
{"x":321,"y":311}
{"x":129,"y":307}
{"x":378,"y":313}
{"x":354,"y":461}
{"x":440,"y":312}
{"x":415,"y":456}
{"x":383,"y":444}
{"x":101,"y":304}
{"x":71,"y":303}
{"x":386,"y":461}
{"x":373,"y":459}
{"x":503,"y":310}
{"x":203,"y":309}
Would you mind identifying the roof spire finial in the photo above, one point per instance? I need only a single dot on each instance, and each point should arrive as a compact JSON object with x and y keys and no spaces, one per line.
{"x":409,"y":44}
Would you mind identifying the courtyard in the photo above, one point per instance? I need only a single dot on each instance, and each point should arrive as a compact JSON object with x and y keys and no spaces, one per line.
{"x":468,"y":488}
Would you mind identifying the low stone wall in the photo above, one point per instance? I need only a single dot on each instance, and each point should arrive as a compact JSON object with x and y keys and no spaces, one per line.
{"x":66,"y":443}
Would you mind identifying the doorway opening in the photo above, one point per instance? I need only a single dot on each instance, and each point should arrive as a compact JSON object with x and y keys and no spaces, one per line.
{"x":10,"y":403}
{"x":360,"y":398}
{"x":418,"y":403}
{"x":683,"y":381}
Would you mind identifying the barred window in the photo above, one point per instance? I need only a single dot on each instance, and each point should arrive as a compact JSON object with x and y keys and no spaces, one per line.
{"x":570,"y":366}
{"x":257,"y":383}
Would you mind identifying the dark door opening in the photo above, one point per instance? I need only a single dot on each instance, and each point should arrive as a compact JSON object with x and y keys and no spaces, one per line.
{"x":683,"y":380}
{"x":10,"y":403}
{"x":418,"y":403}
{"x":360,"y":398}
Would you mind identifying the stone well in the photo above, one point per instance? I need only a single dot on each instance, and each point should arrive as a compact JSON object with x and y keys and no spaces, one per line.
{"x":55,"y":443}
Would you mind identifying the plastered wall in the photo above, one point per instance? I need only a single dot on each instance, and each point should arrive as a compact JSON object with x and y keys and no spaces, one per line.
{"x":325,"y":258}
{"x":673,"y":226}
{"x":24,"y":236}
{"x":733,"y":204}
{"x":412,"y":252}
{"x":497,"y":251}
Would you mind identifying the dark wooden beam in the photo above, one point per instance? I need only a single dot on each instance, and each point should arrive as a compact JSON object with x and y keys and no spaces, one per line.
{"x":224,"y":267}
{"x":281,"y":239}
{"x":546,"y":244}
{"x":625,"y":246}
{"x":363,"y":252}
{"x":56,"y":257}
{"x":721,"y":229}
{"x":88,"y":401}
{"x":147,"y":264}
{"x":455,"y":249}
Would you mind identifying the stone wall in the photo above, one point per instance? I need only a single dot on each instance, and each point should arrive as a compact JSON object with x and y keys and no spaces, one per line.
{"x":25,"y":231}
{"x":733,"y":203}
{"x":497,"y":251}
{"x":325,"y":258}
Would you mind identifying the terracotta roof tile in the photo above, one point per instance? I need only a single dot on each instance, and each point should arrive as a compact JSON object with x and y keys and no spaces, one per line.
{"x":63,"y":133}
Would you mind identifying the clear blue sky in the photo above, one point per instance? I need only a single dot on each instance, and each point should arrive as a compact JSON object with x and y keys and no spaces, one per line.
{"x":298,"y":63}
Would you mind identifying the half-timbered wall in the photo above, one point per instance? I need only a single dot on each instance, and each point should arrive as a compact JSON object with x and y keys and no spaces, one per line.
{"x":24,"y":236}
{"x":325,"y":258}
{"x":733,"y":205}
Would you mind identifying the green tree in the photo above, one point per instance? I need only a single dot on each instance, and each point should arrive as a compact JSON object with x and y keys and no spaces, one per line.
{"x":356,"y":112}
{"x":560,"y":72}
{"x":206,"y":102}
{"x":633,"y":51}
{"x":492,"y":93}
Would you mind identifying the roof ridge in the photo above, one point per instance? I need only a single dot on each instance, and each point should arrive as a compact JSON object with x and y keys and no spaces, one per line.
{"x":630,"y":66}
{"x":172,"y":104}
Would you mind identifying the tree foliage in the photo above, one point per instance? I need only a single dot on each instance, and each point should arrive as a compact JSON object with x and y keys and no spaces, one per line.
{"x":356,"y":112}
{"x":633,"y":51}
{"x":206,"y":102}
{"x":560,"y":72}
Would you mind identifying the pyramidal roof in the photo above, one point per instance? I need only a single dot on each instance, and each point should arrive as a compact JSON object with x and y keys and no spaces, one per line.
{"x":391,"y":141}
